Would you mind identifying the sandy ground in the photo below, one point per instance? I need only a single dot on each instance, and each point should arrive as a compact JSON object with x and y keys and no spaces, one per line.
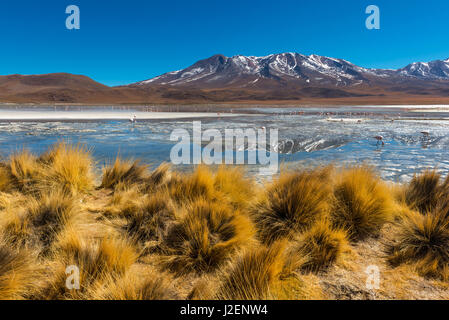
{"x":104,"y":115}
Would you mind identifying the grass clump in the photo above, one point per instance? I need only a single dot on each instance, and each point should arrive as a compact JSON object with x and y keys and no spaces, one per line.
{"x":158,"y":177}
{"x":210,"y":233}
{"x":319,"y":247}
{"x":68,"y":167}
{"x":18,"y":275}
{"x":253,"y":274}
{"x":190,"y":187}
{"x":363,"y":203}
{"x":125,"y":173}
{"x":97,"y":261}
{"x":225,"y":185}
{"x":15,"y":224}
{"x":292,"y":204}
{"x":123,"y":203}
{"x":205,"y":237}
{"x":6,"y":182}
{"x":63,"y":166}
{"x":24,"y":170}
{"x":425,"y":190}
{"x":132,"y":286}
{"x":424,"y":241}
{"x":38,"y":222}
{"x":237,"y":190}
{"x":151,"y":219}
{"x":50,"y":214}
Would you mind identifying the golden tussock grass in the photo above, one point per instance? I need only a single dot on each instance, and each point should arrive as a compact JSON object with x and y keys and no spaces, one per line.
{"x":96,"y":260}
{"x":14,"y":222}
{"x":68,"y":167}
{"x":50,"y":214}
{"x":423,"y":240}
{"x":123,"y":202}
{"x":293,"y":203}
{"x":133,"y":286}
{"x":19,"y":272}
{"x":6,"y":182}
{"x":363,"y":203}
{"x":212,"y":233}
{"x":205,"y":237}
{"x":236,"y":188}
{"x":124,"y":172}
{"x":151,"y":218}
{"x":24,"y":170}
{"x":425,"y":190}
{"x":320,"y":246}
{"x":39,"y":220}
{"x":63,"y":166}
{"x":192,"y":186}
{"x":253,"y":274}
{"x":260,"y":273}
{"x":226,"y":185}
{"x":158,"y":177}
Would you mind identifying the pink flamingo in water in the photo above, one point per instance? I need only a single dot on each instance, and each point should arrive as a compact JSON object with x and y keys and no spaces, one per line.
{"x":379,"y":139}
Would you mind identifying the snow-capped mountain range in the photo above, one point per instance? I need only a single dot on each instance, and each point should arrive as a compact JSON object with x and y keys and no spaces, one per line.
{"x":292,"y":70}
{"x":277,"y":78}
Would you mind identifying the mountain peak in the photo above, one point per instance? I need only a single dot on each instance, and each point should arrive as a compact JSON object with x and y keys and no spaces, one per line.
{"x":291,"y":69}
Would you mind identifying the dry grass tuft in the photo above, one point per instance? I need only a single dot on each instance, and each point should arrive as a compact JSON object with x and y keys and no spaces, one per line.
{"x":6,"y":179}
{"x":254,"y":274}
{"x":125,"y":173}
{"x":170,"y":235}
{"x":292,"y":204}
{"x":425,"y":190}
{"x":50,"y":214}
{"x":14,"y":224}
{"x":363,"y":203}
{"x":67,"y":167}
{"x":151,"y":218}
{"x":424,"y":241}
{"x":319,"y":247}
{"x":123,"y":203}
{"x":205,"y":237}
{"x":149,"y":286}
{"x":18,"y":274}
{"x":37,"y":222}
{"x":190,"y":187}
{"x":237,"y":190}
{"x":158,"y":177}
{"x":24,"y":170}
{"x":96,"y":260}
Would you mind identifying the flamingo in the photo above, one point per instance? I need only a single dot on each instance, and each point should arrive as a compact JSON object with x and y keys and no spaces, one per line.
{"x":379,"y":139}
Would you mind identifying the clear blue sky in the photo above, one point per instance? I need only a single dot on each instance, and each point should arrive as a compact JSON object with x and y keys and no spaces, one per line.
{"x":126,"y":41}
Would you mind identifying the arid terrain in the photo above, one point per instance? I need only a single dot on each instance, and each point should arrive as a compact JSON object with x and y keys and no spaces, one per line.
{"x":215,"y":233}
{"x":287,"y":78}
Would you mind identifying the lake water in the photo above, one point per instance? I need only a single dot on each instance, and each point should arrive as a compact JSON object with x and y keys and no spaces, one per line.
{"x":307,"y":137}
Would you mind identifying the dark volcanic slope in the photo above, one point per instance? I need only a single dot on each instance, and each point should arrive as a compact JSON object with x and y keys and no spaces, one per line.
{"x":63,"y":88}
{"x":19,"y":83}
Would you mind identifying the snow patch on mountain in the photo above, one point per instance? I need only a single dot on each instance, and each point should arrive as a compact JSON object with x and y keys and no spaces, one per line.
{"x":311,"y":70}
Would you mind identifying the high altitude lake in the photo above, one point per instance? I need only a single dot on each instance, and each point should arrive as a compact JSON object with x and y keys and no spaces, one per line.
{"x":307,"y":136}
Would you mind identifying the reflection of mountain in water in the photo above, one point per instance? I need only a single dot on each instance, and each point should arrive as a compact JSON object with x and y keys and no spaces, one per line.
{"x":291,"y":146}
{"x":284,"y":146}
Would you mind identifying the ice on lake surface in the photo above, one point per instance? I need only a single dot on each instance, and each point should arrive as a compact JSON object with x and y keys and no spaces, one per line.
{"x":307,"y":137}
